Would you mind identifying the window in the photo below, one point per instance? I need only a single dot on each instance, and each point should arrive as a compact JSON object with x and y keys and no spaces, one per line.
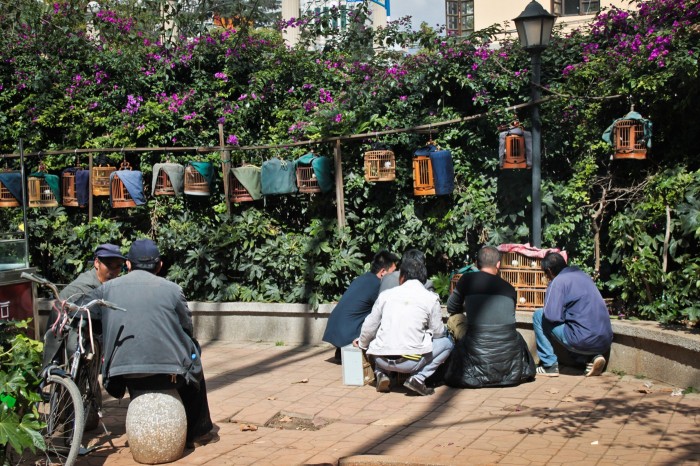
{"x":459,"y":17}
{"x":575,"y":7}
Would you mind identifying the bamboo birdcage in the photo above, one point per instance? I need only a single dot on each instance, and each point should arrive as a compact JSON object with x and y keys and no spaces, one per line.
{"x":195,"y":183}
{"x":100,"y":180}
{"x":423,"y":179}
{"x":380,"y":165}
{"x":69,"y":188}
{"x":164,"y":187}
{"x":121,"y":199}
{"x":237,"y":192}
{"x":306,"y":179}
{"x":628,"y":140}
{"x":515,"y":152}
{"x":7,"y":199}
{"x":527,"y":277}
{"x":39,"y":192}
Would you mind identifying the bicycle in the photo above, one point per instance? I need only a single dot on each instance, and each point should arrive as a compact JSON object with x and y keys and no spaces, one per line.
{"x":69,"y":388}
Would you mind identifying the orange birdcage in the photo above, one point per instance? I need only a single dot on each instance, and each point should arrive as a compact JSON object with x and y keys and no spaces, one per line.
{"x":121,"y":198}
{"x":628,"y":140}
{"x":515,"y":152}
{"x":423,"y":180}
{"x":7,"y":199}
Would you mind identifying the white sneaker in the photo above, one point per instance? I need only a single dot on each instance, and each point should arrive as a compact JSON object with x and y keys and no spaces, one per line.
{"x":596,"y":366}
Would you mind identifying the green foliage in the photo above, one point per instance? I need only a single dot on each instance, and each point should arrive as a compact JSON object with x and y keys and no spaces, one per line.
{"x":132,"y":82}
{"x":20,"y":363}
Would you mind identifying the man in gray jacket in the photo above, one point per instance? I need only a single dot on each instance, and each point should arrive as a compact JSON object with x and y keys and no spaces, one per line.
{"x":151,"y":345}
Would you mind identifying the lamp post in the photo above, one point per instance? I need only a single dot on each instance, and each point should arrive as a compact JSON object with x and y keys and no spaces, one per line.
{"x":534,"y":27}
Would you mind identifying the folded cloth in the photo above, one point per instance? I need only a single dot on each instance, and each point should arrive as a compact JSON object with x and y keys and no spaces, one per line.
{"x":133,"y":182}
{"x":530,"y":251}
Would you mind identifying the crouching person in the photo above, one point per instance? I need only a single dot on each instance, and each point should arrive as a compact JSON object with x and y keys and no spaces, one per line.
{"x":150,"y":345}
{"x":404,"y":332}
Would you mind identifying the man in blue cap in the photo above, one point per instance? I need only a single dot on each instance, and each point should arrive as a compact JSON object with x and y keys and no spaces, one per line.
{"x":151,"y":345}
{"x":107,"y":264}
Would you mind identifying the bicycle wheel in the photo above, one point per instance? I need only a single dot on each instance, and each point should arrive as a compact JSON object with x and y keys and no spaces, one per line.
{"x":61,"y":409}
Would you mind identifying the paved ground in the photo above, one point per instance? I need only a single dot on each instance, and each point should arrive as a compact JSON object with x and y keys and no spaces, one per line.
{"x":607,"y":420}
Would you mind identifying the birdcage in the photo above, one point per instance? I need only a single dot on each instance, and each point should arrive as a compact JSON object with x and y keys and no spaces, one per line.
{"x":423,"y":180}
{"x":164,"y":186}
{"x":121,"y":198}
{"x":514,"y":152}
{"x":306,"y":179}
{"x":39,"y":193}
{"x":237,"y":192}
{"x":380,"y":165}
{"x":527,"y":277}
{"x":7,"y":199}
{"x":69,"y":186}
{"x":195,"y":183}
{"x":628,"y":140}
{"x":100,"y":180}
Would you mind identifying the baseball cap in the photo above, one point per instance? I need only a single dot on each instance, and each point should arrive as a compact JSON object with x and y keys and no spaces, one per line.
{"x":105,"y":251}
{"x":144,"y":252}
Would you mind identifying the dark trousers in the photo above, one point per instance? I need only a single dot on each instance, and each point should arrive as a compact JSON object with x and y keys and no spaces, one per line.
{"x":194,"y":399}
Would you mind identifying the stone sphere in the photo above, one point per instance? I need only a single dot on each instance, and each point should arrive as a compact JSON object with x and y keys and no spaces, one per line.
{"x":156,"y":426}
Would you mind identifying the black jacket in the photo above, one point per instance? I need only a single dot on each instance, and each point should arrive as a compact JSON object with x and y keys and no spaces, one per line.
{"x":490,"y":355}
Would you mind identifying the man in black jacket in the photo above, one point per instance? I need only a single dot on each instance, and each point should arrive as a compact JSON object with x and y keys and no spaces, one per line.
{"x":489,"y":351}
{"x":151,"y":345}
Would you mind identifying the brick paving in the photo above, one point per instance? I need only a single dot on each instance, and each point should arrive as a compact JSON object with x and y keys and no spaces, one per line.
{"x":606,"y":420}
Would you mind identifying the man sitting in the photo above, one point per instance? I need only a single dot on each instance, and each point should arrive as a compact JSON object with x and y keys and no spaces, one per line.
{"x":575,"y":315}
{"x":404,"y":332}
{"x":151,"y":345}
{"x":489,"y":350}
{"x":347,"y":316}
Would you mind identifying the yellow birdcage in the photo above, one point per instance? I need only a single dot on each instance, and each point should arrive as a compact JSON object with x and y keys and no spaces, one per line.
{"x":39,"y":192}
{"x":380,"y":165}
{"x":628,"y":140}
{"x":423,"y":179}
{"x":195,"y":183}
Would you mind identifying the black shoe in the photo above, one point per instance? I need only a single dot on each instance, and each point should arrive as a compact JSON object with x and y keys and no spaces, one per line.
{"x":337,"y":355}
{"x":383,"y":382}
{"x":204,"y":439}
{"x":417,"y":386}
{"x":549,"y":371}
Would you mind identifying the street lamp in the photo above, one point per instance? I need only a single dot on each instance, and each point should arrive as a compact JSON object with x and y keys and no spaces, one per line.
{"x":534,"y":27}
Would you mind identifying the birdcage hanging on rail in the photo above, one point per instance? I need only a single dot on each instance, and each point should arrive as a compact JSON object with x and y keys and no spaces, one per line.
{"x":126,"y":187}
{"x":245,"y":183}
{"x":198,"y":176}
{"x":314,"y":173}
{"x":514,"y":146}
{"x":10,"y":188}
{"x":380,"y":165}
{"x":100,"y":177}
{"x":630,"y":136}
{"x":42,"y":188}
{"x":168,"y":179}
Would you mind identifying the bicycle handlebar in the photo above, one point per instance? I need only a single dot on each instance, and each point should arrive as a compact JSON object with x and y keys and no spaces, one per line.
{"x":72,"y":307}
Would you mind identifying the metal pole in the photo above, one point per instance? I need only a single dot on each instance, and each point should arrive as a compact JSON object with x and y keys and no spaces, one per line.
{"x":24,"y":202}
{"x":535,"y":95}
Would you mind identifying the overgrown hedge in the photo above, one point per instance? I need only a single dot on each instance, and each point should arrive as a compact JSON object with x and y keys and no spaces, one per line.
{"x":62,"y":89}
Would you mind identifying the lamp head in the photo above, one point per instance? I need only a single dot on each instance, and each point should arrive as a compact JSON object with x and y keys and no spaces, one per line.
{"x":534,"y":27}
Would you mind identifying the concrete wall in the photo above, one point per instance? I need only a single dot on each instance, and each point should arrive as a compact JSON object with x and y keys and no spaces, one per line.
{"x":648,"y":349}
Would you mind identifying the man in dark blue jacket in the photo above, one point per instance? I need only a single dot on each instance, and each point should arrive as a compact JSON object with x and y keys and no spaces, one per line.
{"x":346,"y":319}
{"x":575,"y":315}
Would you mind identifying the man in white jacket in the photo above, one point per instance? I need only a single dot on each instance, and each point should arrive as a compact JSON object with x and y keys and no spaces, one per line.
{"x":404,"y":332}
